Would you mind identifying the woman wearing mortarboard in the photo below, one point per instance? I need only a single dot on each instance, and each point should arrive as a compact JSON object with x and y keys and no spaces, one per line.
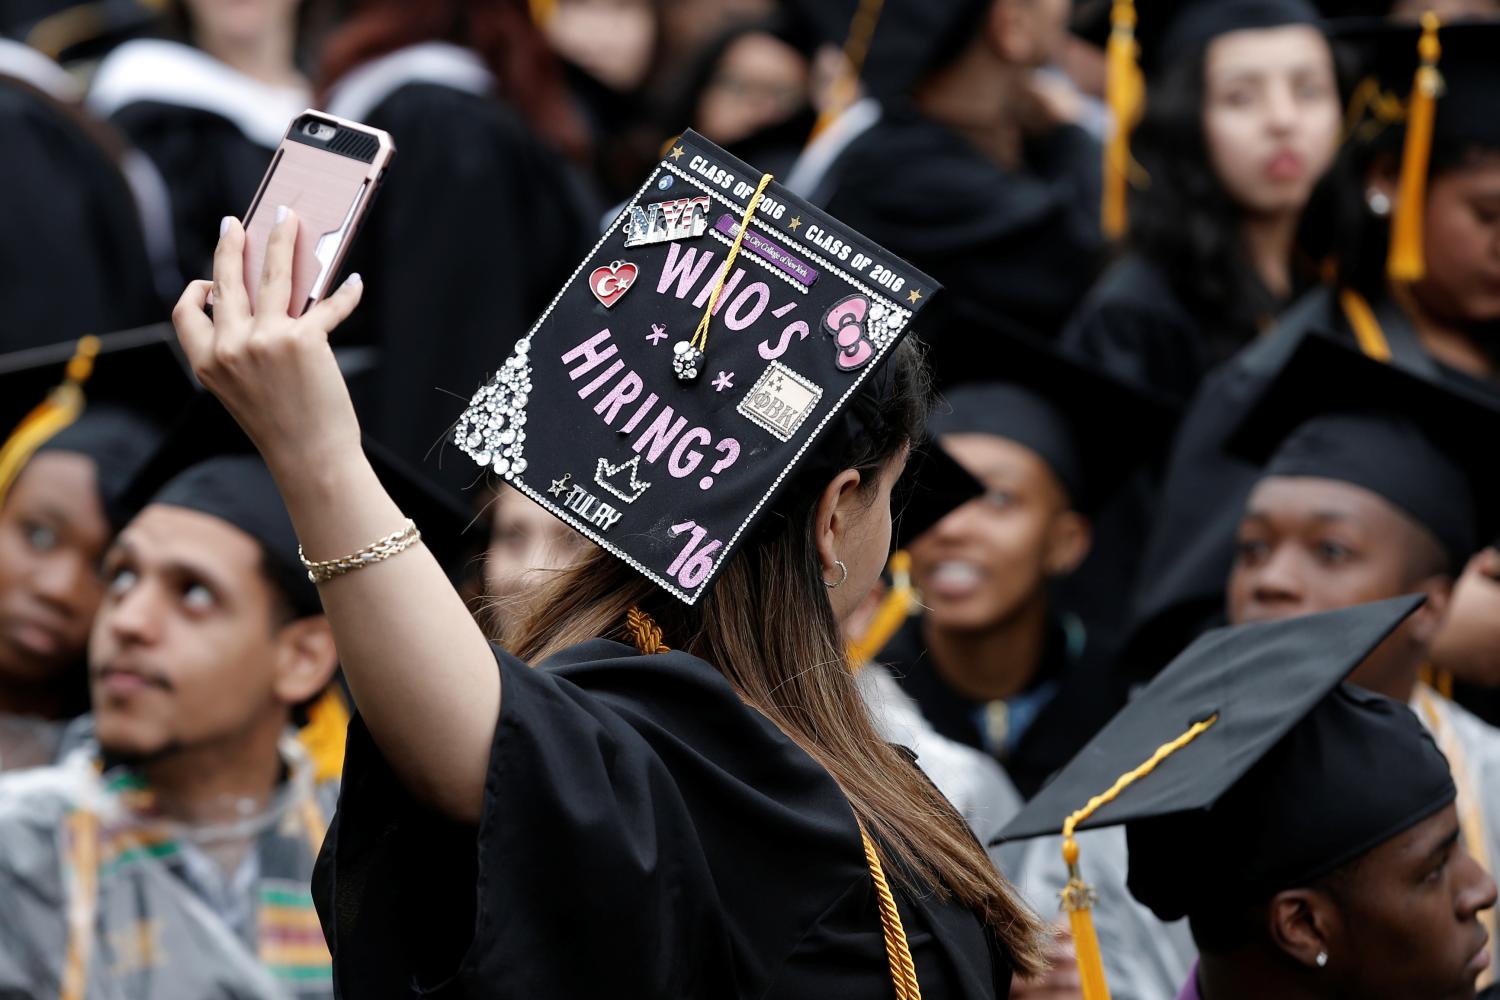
{"x":715,"y":819}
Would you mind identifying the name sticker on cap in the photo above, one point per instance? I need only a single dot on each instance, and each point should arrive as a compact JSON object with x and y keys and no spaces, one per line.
{"x":675,"y":385}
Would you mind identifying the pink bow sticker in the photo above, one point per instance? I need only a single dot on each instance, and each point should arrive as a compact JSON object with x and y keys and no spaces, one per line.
{"x":846,"y":321}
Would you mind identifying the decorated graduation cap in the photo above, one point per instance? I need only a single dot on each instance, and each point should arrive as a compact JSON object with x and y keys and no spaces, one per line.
{"x":1245,"y":739}
{"x":206,"y":464}
{"x":1332,"y":413}
{"x":109,"y":398}
{"x":688,"y":368}
{"x":1436,"y":83}
{"x":1090,"y":428}
{"x":1142,"y":39}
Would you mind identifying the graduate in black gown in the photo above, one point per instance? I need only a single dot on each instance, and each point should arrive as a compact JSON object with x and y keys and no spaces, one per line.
{"x":996,"y":661}
{"x":638,"y":821}
{"x":963,"y":172}
{"x":78,"y":426}
{"x":482,"y":213}
{"x":1260,"y":822}
{"x":1241,"y":121}
{"x":1190,"y":547}
{"x":208,"y":102}
{"x":83,"y":266}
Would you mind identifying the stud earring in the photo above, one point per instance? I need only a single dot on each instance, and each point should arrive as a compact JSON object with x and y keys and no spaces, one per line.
{"x":842,"y":569}
{"x":1379,"y":202}
{"x":1322,"y":959}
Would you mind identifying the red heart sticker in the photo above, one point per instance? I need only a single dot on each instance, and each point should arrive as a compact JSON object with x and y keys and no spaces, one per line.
{"x":611,"y":281}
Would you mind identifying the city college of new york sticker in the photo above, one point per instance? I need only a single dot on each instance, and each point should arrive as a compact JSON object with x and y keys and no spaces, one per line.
{"x":667,"y":456}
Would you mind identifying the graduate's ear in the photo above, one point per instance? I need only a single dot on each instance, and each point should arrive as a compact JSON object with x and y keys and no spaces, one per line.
{"x":1069,"y":538}
{"x":1302,"y":923}
{"x":833,"y":518}
{"x":305,"y":659}
{"x":1427,"y":621}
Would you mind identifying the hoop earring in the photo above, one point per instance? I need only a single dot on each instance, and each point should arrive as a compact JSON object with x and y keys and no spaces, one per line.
{"x":1322,"y":959}
{"x":843,"y":569}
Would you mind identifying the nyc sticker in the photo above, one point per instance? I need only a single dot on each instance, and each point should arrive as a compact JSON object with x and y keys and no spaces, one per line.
{"x":662,"y":221}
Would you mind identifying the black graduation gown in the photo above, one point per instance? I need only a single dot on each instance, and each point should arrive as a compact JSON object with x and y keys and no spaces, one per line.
{"x":645,"y":834}
{"x":1190,"y":549}
{"x":72,"y":255}
{"x":1082,"y":703}
{"x":477,"y":226}
{"x":1013,"y":249}
{"x":209,"y":131}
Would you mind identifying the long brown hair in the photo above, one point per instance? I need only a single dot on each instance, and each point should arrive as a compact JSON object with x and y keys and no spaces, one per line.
{"x":527,"y":74}
{"x":768,"y":626}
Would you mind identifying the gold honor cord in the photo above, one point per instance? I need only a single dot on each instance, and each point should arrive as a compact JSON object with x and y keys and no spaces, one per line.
{"x":700,"y":335}
{"x":1078,"y":897}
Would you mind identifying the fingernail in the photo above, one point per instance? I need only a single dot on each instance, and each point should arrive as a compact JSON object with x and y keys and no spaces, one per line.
{"x":224,"y":224}
{"x":354,"y":279}
{"x":282,"y":212}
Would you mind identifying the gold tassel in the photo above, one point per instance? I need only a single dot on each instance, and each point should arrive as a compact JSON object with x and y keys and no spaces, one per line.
{"x":1125,"y":93}
{"x":889,"y":617}
{"x":856,"y":47}
{"x":1078,"y":900}
{"x":325,"y":734}
{"x":1407,"y":261}
{"x":63,"y":405}
{"x":542,"y":11}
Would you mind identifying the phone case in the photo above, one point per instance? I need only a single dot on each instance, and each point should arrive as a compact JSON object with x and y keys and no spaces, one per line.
{"x":327,"y":170}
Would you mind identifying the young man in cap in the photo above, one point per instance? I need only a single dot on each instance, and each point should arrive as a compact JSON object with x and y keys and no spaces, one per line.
{"x":170,"y":854}
{"x":1307,"y":829}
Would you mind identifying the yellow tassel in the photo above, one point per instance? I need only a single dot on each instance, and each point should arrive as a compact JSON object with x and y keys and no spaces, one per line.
{"x":1367,"y":332}
{"x":889,"y":617}
{"x":325,"y":733}
{"x":63,"y":405}
{"x":856,"y":47}
{"x":1407,"y":261}
{"x":542,"y":11}
{"x":1078,"y":901}
{"x":1125,"y":93}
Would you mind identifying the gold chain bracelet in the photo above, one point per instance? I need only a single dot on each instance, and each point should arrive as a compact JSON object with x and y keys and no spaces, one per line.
{"x":394,"y":543}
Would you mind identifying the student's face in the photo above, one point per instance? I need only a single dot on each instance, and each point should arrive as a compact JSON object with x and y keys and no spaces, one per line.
{"x":189,"y":648}
{"x":526,"y":543}
{"x":611,"y":39}
{"x":241,"y":19}
{"x":987,"y":559}
{"x":1271,"y":115}
{"x":760,"y":81}
{"x":1462,"y":243}
{"x":52,"y":536}
{"x":1409,"y":913}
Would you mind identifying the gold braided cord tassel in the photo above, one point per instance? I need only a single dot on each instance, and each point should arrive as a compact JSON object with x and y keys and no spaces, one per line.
{"x":644,"y":632}
{"x":1078,"y":898}
{"x":700,"y":335}
{"x":1125,"y":94}
{"x":889,"y":617}
{"x":856,"y":48}
{"x":897,"y":953}
{"x":63,"y":405}
{"x":1407,"y":260}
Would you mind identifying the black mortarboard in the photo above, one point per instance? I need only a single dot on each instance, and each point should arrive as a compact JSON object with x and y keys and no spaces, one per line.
{"x":932,"y":486}
{"x":1168,"y":30}
{"x":910,"y":38}
{"x":659,"y":446}
{"x":1333,"y":413}
{"x":208,"y":465}
{"x":129,"y":388}
{"x":1091,"y":428}
{"x":1259,"y":680}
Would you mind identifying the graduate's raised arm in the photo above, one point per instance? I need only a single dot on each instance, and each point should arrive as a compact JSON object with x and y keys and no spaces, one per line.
{"x":419,"y":667}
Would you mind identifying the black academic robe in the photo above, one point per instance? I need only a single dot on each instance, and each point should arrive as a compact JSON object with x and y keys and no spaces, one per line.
{"x":1189,"y":551}
{"x":209,"y":131}
{"x":1013,"y":249}
{"x":477,"y":226}
{"x":1080,"y":704}
{"x":644,"y":834}
{"x":73,"y":258}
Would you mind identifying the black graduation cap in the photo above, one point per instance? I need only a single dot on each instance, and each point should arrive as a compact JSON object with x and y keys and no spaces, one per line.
{"x":1168,"y":30}
{"x":932,"y":485}
{"x":1425,"y":447}
{"x":109,"y":398}
{"x":910,"y":38}
{"x":662,"y":439}
{"x":1091,"y":428}
{"x":207,"y":464}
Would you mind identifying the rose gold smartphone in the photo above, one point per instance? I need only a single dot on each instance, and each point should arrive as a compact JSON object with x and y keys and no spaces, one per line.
{"x":327,"y":170}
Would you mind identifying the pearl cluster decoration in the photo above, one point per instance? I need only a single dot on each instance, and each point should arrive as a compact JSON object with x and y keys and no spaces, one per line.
{"x":884,"y":323}
{"x":492,"y":431}
{"x":687,"y":360}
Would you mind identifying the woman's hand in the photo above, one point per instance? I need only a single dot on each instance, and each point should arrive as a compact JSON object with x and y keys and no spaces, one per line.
{"x":275,"y":374}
